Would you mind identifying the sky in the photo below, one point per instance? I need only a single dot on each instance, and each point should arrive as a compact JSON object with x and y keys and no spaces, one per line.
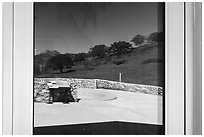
{"x":76,"y":27}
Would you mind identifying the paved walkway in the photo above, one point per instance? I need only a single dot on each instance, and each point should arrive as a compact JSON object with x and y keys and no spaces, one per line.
{"x":105,"y":106}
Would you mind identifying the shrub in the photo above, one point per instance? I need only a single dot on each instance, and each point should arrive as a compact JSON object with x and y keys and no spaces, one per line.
{"x":119,"y":62}
{"x":152,"y":60}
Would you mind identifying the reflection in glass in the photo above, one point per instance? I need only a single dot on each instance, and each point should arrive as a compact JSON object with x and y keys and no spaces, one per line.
{"x":99,"y":68}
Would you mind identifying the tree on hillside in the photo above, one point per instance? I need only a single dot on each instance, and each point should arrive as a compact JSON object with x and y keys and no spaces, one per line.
{"x":40,"y":61}
{"x":59,"y":62}
{"x":120,"y":48}
{"x":138,"y":39}
{"x":79,"y":57}
{"x":98,"y":51}
{"x":156,"y":37}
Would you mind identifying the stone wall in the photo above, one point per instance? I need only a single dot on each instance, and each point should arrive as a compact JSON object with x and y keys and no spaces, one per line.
{"x":41,"y":92}
{"x":148,"y":89}
{"x":83,"y":83}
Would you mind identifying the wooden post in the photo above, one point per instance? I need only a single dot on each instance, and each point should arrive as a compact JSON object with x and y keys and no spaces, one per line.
{"x":95,"y":83}
{"x":120,"y":77}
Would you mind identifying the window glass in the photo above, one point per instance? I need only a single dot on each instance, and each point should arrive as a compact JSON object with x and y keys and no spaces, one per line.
{"x":99,"y":68}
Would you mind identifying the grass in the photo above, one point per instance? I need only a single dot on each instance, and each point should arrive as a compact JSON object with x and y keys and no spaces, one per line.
{"x":143,"y":65}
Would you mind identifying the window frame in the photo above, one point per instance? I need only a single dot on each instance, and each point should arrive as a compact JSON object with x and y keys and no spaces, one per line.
{"x":18,"y":102}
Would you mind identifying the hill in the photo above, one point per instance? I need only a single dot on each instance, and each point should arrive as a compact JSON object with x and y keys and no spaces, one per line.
{"x":143,"y":65}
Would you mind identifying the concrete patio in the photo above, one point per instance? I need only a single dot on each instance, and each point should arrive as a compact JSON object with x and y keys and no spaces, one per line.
{"x":100,"y":105}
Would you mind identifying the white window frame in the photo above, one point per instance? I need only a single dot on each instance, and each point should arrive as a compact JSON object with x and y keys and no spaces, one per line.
{"x":18,"y":69}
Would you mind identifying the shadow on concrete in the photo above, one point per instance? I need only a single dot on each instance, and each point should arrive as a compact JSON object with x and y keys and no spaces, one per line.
{"x":102,"y":128}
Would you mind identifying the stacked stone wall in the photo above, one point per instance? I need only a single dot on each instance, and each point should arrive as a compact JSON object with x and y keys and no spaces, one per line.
{"x":41,"y":92}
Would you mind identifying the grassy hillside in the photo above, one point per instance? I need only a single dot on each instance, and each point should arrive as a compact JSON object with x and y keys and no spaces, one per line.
{"x":144,"y":65}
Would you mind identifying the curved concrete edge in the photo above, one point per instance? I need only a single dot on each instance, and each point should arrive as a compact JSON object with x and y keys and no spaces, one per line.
{"x":94,"y":94}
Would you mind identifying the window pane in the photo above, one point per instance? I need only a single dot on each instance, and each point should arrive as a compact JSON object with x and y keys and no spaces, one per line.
{"x":99,"y":68}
